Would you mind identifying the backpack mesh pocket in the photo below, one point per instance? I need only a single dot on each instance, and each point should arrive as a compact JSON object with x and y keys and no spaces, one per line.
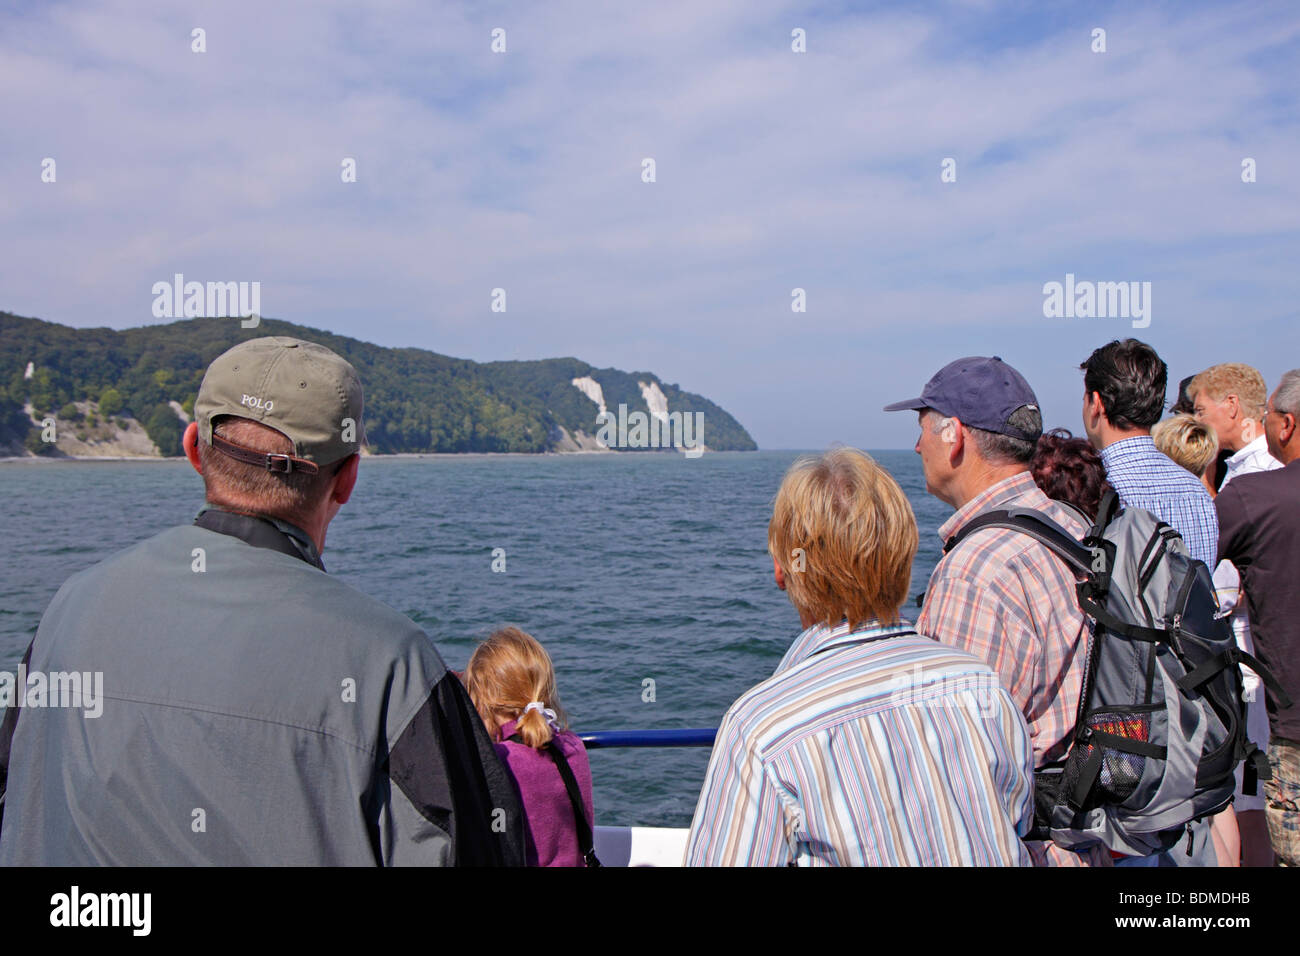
{"x":1120,"y":772}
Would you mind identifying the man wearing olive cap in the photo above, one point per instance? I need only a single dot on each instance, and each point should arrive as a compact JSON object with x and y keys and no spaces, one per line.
{"x":1000,"y":594}
{"x":256,"y":710}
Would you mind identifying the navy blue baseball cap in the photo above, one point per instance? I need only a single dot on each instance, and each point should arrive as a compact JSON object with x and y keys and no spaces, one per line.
{"x":980,"y":392}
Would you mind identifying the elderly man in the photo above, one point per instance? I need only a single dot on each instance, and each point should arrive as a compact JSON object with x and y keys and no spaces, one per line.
{"x":1000,"y":594}
{"x":258,"y":711}
{"x":1230,"y":398}
{"x":1259,"y":518}
{"x":871,"y":744}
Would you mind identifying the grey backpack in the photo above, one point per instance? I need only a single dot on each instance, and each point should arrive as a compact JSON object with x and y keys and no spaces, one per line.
{"x":1161,"y":725}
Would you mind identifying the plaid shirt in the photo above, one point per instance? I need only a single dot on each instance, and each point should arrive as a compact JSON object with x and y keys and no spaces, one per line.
{"x":1145,"y":478}
{"x":1004,"y":597}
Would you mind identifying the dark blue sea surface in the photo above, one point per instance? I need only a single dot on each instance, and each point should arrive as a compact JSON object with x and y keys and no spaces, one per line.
{"x":626,"y":567}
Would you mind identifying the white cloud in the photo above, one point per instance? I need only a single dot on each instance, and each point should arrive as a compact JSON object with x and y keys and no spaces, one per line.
{"x":775,"y":169}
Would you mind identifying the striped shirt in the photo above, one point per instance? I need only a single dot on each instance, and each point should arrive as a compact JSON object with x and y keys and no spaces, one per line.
{"x":1007,"y":599}
{"x":867,"y":748}
{"x":1145,"y":478}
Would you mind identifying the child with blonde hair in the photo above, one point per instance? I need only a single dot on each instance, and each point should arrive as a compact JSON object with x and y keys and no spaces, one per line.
{"x":512,"y":684}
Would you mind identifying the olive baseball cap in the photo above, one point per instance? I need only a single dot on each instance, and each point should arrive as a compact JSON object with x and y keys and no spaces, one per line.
{"x":981,"y":392}
{"x":301,"y":389}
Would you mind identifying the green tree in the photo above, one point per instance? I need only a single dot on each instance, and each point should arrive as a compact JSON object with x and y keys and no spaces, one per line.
{"x":164,"y":428}
{"x":110,"y":401}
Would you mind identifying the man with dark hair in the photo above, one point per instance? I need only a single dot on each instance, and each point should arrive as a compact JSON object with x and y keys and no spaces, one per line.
{"x":257,"y":710}
{"x":1124,"y":395}
{"x":1124,"y":386}
{"x":1000,"y":594}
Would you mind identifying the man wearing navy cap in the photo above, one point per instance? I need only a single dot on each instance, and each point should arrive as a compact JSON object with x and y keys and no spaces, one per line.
{"x":1000,"y":594}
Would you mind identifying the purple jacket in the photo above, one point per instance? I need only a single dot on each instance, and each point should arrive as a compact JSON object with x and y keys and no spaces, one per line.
{"x":552,"y":830}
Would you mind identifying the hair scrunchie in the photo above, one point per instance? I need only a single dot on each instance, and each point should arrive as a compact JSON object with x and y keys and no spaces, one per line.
{"x":551,"y":716}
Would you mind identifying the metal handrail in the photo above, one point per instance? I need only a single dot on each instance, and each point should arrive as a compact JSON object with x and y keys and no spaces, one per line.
{"x":698,"y":737}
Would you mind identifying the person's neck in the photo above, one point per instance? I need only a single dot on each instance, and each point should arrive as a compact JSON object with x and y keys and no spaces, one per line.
{"x":1111,"y":435}
{"x":313,"y":526}
{"x":969,"y":486}
{"x":1239,"y":442}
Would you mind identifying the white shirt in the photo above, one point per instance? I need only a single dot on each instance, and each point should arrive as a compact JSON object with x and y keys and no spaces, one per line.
{"x":1251,"y":458}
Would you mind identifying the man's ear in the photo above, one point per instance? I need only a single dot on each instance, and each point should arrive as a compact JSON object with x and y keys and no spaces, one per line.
{"x":345,"y":479}
{"x":958,"y":441}
{"x":1092,"y":402}
{"x":780,"y":575}
{"x":190,"y":442}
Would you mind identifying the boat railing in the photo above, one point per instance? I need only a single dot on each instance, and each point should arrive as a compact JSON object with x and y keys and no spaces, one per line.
{"x":694,"y":737}
{"x":644,"y":846}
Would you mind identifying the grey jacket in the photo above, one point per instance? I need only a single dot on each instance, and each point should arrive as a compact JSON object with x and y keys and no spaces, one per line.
{"x":254,"y":711}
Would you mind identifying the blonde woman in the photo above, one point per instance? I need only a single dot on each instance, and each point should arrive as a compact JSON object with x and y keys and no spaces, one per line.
{"x":1190,"y":443}
{"x":871,"y":745}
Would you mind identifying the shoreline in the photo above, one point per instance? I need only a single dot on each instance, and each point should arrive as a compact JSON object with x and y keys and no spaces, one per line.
{"x":15,"y":459}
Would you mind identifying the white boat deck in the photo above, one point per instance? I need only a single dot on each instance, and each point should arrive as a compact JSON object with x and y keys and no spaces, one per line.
{"x":640,"y":846}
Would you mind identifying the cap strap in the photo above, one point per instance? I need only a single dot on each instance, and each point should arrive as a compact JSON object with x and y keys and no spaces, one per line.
{"x":271,"y":462}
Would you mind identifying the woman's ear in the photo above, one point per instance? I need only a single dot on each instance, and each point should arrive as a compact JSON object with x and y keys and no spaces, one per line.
{"x":779,"y":574}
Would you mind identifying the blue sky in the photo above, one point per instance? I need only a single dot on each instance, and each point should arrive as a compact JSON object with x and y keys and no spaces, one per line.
{"x":775,"y":170}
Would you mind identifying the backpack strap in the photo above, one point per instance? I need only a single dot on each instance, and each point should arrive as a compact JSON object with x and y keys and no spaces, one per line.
{"x":1254,"y":769}
{"x":1035,"y":524}
{"x":1106,"y":511}
{"x":586,"y":845}
{"x":1095,"y":540}
{"x":1230,"y":657}
{"x":1088,"y":602}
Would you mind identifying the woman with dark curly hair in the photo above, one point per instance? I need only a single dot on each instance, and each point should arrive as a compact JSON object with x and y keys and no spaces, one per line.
{"x":1069,"y":469}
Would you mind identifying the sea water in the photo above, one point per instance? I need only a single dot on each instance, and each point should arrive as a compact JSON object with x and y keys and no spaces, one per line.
{"x":646,"y":576}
